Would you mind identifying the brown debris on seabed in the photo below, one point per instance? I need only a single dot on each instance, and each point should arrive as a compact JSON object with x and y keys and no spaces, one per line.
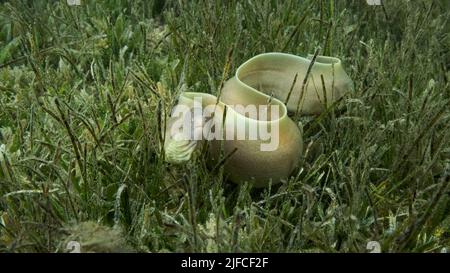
{"x":91,"y":237}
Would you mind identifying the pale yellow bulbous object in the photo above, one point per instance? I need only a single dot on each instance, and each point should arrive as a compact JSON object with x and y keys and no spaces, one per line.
{"x":273,"y":75}
{"x":267,"y":79}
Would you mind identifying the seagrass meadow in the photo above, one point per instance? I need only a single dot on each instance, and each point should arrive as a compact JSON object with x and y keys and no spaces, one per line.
{"x":85,"y":91}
